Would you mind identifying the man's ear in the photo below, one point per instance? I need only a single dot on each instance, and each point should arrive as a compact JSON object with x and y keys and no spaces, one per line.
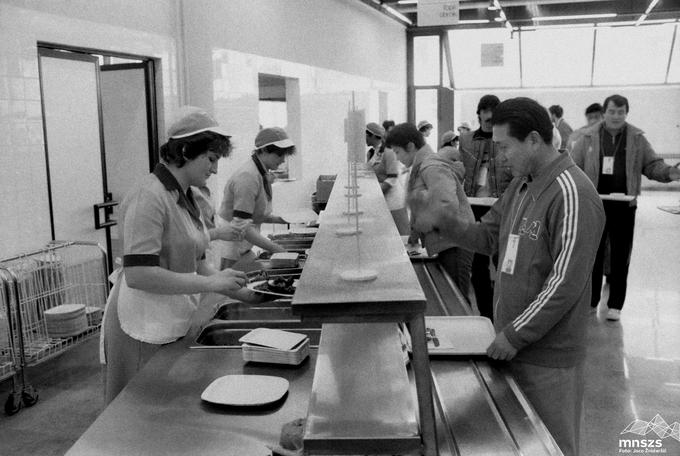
{"x":411,"y":148}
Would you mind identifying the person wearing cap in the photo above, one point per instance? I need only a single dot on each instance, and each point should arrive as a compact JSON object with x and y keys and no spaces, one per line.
{"x":425,"y":128}
{"x":164,"y":235}
{"x":248,"y":196}
{"x":441,"y":179}
{"x":464,"y":127}
{"x":387,"y":169}
{"x":448,"y":148}
{"x":485,"y":176}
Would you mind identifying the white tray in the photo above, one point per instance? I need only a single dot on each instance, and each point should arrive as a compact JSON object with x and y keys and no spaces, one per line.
{"x":245,"y":390}
{"x":460,"y":335}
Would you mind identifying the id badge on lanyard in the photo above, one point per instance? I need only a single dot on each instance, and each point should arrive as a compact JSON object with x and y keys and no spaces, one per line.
{"x":510,"y":256}
{"x":608,"y":165}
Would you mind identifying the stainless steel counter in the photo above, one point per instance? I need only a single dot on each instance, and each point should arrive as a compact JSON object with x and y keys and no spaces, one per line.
{"x":480,"y":410}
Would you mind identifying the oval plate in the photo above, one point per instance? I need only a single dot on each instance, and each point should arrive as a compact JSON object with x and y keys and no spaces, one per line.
{"x":245,"y":390}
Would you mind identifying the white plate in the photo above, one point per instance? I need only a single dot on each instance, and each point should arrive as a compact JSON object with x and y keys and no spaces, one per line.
{"x":253,"y":286}
{"x":460,"y":335}
{"x":245,"y":390}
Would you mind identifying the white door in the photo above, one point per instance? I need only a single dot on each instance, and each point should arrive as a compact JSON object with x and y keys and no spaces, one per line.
{"x":73,"y":141}
{"x":127,"y":128}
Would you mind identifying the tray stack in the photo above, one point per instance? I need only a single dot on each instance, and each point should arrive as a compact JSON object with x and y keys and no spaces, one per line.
{"x":94,"y":315}
{"x":274,"y":346}
{"x":66,"y":320}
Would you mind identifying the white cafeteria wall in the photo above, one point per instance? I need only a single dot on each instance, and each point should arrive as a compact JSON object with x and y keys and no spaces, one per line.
{"x":210,"y":53}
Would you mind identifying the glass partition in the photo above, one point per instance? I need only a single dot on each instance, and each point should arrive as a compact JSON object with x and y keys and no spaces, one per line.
{"x":632,"y":55}
{"x":484,"y":58}
{"x":557,"y":57}
{"x":426,"y":109}
{"x":426,"y":68}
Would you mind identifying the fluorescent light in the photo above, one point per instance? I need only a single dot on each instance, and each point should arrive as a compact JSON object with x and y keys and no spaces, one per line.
{"x":640,"y":19}
{"x":475,"y":21}
{"x":398,"y":15}
{"x":574,"y":17}
{"x":407,"y":2}
{"x":555,"y":26}
{"x":651,"y":21}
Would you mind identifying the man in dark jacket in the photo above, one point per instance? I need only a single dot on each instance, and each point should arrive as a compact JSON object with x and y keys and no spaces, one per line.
{"x":546,"y":228}
{"x":614,"y":154}
{"x":484,"y":177}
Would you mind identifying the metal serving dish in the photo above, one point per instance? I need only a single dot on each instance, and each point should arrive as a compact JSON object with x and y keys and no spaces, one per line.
{"x":225,"y":334}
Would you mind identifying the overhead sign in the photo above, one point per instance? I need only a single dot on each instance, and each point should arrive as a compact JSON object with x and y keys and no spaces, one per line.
{"x":438,"y":12}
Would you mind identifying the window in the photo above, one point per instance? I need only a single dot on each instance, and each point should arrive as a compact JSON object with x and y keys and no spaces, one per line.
{"x":426,"y":68}
{"x":557,"y":57}
{"x":484,"y":58}
{"x":632,"y":55}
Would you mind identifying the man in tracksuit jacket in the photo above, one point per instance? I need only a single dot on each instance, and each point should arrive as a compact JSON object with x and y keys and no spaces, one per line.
{"x":546,"y":228}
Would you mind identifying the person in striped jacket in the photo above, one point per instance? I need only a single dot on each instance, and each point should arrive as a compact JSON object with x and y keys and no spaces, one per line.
{"x":546,"y":228}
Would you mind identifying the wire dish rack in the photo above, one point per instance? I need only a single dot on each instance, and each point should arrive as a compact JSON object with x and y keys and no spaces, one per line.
{"x":32,"y":283}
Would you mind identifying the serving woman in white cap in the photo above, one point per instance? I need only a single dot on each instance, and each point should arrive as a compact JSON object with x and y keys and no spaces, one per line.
{"x":164,"y":236}
{"x":248,"y":195}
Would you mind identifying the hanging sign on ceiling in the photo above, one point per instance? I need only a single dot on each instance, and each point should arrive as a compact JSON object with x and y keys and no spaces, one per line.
{"x":438,"y":12}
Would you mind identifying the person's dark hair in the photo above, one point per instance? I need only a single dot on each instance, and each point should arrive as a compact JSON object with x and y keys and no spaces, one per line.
{"x":424,"y":128}
{"x":403,"y":134}
{"x":618,"y":100}
{"x":387,"y":124}
{"x":556,"y":110}
{"x":522,"y":116}
{"x":487,"y":102}
{"x":595,"y":107}
{"x":280,"y":151}
{"x":179,"y":151}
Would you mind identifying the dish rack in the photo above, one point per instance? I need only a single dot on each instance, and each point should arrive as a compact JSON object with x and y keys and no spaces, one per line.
{"x":30,"y":284}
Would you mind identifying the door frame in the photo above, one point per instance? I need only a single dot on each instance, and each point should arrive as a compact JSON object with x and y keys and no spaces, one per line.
{"x":63,"y":51}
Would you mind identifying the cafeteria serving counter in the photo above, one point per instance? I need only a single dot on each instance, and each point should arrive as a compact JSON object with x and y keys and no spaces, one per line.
{"x":479,"y":408}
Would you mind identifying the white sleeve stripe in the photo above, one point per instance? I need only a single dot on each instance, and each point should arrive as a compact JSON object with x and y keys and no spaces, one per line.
{"x":569,"y":230}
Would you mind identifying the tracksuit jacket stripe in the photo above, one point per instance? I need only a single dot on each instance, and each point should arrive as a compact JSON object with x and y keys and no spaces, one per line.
{"x":569,"y":232}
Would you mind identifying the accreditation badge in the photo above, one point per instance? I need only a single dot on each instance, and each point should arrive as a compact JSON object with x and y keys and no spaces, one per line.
{"x":608,"y":165}
{"x":510,"y":256}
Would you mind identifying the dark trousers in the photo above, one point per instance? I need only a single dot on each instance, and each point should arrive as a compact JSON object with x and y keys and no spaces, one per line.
{"x":619,"y":228}
{"x":481,"y":276}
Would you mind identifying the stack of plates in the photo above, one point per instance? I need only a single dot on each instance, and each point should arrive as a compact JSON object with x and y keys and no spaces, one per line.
{"x":274,"y":346}
{"x":94,"y":315}
{"x":66,"y":320}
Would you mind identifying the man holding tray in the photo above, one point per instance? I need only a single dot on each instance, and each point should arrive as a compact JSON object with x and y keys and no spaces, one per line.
{"x":545,"y":228}
{"x":614,"y":154}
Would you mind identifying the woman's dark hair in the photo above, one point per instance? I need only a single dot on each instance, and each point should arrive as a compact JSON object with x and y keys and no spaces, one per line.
{"x":618,"y":100}
{"x":522,"y":116}
{"x":280,"y":151}
{"x":403,"y":134}
{"x":179,"y":151}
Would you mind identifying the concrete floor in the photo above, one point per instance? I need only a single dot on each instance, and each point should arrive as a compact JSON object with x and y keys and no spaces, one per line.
{"x":633,"y":366}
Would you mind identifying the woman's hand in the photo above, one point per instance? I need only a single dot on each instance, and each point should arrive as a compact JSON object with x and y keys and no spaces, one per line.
{"x":233,"y":231}
{"x":228,"y":281}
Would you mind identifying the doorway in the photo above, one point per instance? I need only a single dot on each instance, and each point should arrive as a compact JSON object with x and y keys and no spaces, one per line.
{"x":100,"y":129}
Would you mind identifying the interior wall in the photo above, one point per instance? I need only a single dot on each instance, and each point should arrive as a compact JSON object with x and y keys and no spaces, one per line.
{"x":99,"y":24}
{"x":334,"y":49}
{"x":652,"y":108}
